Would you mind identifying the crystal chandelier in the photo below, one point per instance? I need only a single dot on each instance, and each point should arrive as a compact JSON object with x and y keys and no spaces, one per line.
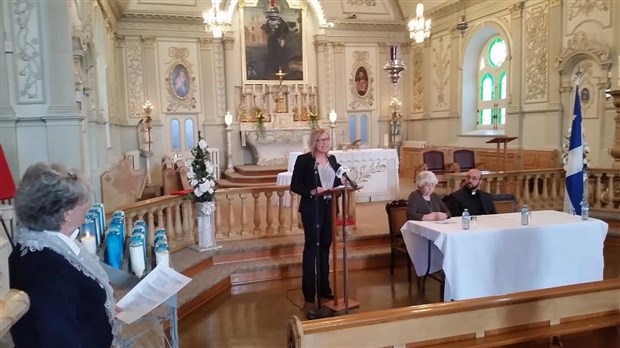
{"x":216,"y":21}
{"x":273,"y":16}
{"x":419,"y":28}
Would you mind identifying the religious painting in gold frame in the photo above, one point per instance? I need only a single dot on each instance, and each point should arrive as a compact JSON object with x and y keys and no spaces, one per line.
{"x":266,"y":51}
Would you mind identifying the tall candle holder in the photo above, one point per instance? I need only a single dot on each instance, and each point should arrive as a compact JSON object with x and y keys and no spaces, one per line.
{"x":147,"y":139}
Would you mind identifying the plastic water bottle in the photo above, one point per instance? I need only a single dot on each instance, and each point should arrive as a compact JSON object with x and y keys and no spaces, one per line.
{"x":465,"y":219}
{"x":525,"y":215}
{"x":585,"y":210}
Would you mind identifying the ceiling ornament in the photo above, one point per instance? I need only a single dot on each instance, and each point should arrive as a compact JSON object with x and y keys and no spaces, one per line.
{"x":419,"y":27}
{"x":462,"y":25}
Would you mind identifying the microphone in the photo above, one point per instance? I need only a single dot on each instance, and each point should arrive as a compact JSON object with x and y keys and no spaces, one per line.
{"x":342,"y":173}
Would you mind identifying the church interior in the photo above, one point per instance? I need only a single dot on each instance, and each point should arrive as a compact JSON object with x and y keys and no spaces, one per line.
{"x":126,"y":91}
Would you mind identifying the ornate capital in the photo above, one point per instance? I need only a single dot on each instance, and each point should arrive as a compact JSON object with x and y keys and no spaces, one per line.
{"x":516,"y":10}
{"x":148,"y":41}
{"x":321,"y":46}
{"x":119,"y":41}
{"x":338,"y":47}
{"x":554,"y":3}
{"x":206,"y":43}
{"x":229,"y":43}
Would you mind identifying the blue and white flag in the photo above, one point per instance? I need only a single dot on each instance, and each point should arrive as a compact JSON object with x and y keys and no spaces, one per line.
{"x":574,"y":164}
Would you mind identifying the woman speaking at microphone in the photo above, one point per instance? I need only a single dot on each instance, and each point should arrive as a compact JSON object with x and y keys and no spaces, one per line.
{"x":314,"y":173}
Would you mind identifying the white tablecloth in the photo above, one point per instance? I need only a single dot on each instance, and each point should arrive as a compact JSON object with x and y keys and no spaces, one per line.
{"x":500,"y":256}
{"x":375,"y":170}
{"x":283,"y":178}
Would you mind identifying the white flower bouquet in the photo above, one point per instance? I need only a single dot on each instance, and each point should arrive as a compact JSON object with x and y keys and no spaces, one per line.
{"x":565,"y":148}
{"x":201,"y":172}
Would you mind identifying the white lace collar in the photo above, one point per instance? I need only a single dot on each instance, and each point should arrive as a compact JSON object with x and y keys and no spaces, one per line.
{"x":70,"y":242}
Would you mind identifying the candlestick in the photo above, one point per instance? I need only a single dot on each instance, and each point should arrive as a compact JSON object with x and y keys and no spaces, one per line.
{"x":90,"y":243}
{"x":386,"y":140}
{"x":393,"y":50}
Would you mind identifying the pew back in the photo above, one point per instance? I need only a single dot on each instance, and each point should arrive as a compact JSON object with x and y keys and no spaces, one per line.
{"x":492,"y":321}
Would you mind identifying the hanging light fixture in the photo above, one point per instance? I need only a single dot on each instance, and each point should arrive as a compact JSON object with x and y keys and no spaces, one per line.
{"x":419,"y":27}
{"x":273,"y":16}
{"x":215,"y":20}
{"x":462,"y":24}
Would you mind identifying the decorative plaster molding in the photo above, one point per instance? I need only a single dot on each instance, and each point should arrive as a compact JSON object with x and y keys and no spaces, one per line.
{"x":516,"y":10}
{"x":371,"y":26}
{"x":584,"y":7}
{"x":321,"y":45}
{"x":367,"y":3}
{"x":361,"y":62}
{"x":163,"y":26}
{"x":163,"y":16}
{"x":536,"y":66}
{"x":580,"y":44}
{"x":119,"y":41}
{"x":179,"y":56}
{"x":219,"y":57}
{"x":441,"y":65}
{"x":554,"y":3}
{"x":418,"y":79}
{"x":229,"y":43}
{"x":148,"y":41}
{"x":338,"y":47}
{"x":28,"y":40}
{"x":134,"y":77}
{"x":206,"y":44}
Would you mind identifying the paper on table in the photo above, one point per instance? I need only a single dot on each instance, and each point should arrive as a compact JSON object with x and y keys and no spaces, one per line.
{"x":445,"y":222}
{"x":152,"y":291}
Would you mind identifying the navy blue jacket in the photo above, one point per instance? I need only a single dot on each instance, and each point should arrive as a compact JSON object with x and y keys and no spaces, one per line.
{"x":67,"y":308}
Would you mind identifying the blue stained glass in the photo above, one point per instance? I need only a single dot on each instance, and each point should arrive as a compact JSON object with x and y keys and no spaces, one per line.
{"x":189,"y":133}
{"x":352,"y":128}
{"x":364,"y":128}
{"x":175,"y":134}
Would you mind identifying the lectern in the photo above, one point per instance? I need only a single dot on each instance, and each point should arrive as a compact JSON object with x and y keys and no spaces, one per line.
{"x":344,"y":303}
{"x":501,"y":140}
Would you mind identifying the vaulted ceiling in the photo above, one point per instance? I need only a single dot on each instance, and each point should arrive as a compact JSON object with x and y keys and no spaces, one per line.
{"x":339,"y":11}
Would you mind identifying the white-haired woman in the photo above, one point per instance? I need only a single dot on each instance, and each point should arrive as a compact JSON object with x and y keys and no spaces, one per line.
{"x":71,"y":302}
{"x":423,"y":203}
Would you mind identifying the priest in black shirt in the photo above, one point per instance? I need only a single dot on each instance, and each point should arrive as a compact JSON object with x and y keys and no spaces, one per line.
{"x":470,"y":197}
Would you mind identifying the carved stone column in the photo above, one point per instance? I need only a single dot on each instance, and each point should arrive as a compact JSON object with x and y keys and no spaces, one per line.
{"x":231,"y":71}
{"x":614,"y":151}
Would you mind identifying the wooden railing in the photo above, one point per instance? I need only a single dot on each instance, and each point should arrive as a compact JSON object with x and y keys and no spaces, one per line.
{"x":589,"y":310}
{"x":544,"y":188}
{"x":261,"y":212}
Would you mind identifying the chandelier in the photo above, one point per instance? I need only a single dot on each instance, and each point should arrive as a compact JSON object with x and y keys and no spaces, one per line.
{"x":273,"y":16}
{"x":419,"y":28}
{"x":462,"y":25}
{"x":216,"y":21}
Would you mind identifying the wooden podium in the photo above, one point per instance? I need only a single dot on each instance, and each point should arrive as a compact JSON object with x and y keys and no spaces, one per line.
{"x":344,"y":302}
{"x":501,"y":140}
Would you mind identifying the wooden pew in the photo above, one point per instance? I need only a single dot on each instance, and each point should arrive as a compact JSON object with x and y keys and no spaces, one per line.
{"x":569,"y":316}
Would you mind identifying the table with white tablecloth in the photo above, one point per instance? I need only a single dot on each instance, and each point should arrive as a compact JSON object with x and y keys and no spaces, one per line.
{"x":375,"y":170}
{"x":500,"y":256}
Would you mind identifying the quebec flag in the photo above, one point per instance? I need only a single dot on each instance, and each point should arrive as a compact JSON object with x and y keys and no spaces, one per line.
{"x":574,"y":164}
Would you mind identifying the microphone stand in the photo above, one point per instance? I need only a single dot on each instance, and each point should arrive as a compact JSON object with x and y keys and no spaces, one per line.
{"x":320,"y":311}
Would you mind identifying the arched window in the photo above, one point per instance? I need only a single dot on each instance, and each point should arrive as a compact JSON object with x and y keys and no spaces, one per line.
{"x":493,"y":80}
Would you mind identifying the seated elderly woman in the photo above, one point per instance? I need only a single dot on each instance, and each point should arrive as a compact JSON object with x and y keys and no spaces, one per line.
{"x":71,"y":302}
{"x":423,"y":203}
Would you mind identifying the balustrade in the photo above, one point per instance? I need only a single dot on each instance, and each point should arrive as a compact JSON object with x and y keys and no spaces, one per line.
{"x":262,"y":212}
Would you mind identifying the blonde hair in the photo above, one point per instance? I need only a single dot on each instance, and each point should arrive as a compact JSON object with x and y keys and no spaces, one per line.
{"x":314,"y":136}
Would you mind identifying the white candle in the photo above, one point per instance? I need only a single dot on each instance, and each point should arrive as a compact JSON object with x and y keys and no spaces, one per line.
{"x":162,"y":257}
{"x":90,"y":243}
{"x":386,"y":140}
{"x":136,"y":255}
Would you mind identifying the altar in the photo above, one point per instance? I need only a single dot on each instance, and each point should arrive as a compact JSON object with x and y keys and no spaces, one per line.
{"x":376,"y":170}
{"x":272,"y":146}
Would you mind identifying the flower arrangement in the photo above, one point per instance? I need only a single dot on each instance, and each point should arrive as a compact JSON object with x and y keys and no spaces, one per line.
{"x":260,"y":121}
{"x":201,"y":171}
{"x":565,"y":147}
{"x":313,"y":118}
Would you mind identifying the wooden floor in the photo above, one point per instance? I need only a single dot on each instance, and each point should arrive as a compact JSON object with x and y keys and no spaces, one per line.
{"x":255,"y":315}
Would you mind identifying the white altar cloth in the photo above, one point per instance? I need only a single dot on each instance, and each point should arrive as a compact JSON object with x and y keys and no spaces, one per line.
{"x":376,"y":170}
{"x":500,"y":256}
